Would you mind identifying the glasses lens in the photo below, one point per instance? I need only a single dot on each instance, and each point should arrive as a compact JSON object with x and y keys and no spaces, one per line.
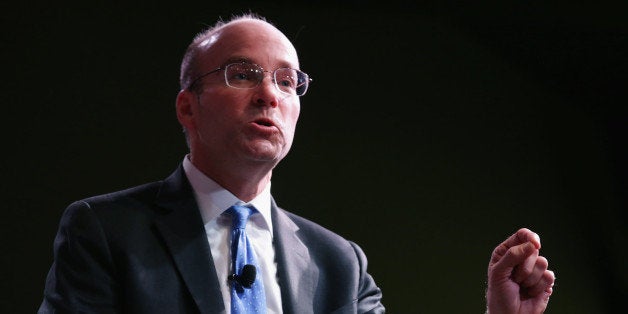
{"x":243,"y":75}
{"x":291,"y":81}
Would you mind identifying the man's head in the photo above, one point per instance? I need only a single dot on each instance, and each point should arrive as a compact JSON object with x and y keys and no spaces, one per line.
{"x":230,"y":127}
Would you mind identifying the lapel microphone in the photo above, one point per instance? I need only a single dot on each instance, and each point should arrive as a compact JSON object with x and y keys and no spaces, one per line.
{"x":246,"y":278}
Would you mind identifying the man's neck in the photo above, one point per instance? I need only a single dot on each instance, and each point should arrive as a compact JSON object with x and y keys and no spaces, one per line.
{"x":243,"y":182}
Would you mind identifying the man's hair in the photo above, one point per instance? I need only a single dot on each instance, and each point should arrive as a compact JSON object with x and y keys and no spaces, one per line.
{"x":190,"y":68}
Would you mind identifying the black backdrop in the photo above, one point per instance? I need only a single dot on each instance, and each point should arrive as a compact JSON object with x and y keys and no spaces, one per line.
{"x":431,"y":132}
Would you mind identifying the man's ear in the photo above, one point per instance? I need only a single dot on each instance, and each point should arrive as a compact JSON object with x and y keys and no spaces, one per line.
{"x":185,"y":108}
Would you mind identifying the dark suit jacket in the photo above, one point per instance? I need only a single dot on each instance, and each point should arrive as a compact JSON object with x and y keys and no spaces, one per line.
{"x":144,"y":250}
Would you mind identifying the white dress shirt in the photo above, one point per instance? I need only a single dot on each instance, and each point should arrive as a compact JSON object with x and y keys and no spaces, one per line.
{"x":213,"y":200}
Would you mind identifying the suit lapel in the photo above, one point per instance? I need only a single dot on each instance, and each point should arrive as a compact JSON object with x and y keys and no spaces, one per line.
{"x":182,"y":228}
{"x":297,"y":275}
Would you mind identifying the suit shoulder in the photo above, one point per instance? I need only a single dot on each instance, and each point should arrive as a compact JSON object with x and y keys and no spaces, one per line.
{"x":310,"y":225}
{"x":140,"y":193}
{"x":118,"y":205}
{"x":319,"y":236}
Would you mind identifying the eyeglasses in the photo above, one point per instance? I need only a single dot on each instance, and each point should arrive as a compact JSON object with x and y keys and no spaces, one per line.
{"x":248,"y":75}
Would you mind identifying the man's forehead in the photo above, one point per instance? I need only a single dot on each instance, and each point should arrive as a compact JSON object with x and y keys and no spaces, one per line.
{"x":248,"y":40}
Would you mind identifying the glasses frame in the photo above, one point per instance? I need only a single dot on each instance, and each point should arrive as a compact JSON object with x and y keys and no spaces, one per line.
{"x":273,"y":73}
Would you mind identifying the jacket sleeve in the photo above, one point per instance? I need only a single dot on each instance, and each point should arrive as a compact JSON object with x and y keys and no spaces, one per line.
{"x":81,"y":279}
{"x":369,"y":295}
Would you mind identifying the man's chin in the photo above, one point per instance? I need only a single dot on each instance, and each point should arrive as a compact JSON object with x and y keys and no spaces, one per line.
{"x":266,"y":152}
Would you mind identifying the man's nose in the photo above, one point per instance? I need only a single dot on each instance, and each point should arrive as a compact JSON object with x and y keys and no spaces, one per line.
{"x":267,"y":92}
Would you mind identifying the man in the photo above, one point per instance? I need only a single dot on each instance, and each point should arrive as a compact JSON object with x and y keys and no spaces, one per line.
{"x":164,"y":247}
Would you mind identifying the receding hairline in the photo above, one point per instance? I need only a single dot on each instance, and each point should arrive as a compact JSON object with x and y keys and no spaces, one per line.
{"x":190,"y":63}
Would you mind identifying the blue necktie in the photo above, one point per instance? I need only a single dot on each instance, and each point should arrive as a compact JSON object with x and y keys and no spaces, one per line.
{"x":246,"y":297}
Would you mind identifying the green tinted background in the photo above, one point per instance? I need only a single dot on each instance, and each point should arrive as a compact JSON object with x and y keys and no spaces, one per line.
{"x":430,"y":133}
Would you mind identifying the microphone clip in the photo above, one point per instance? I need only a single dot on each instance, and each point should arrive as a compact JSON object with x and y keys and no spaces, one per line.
{"x":246,"y":277}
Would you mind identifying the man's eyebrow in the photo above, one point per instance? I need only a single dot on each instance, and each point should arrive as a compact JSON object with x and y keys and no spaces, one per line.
{"x":238,"y":60}
{"x":242,"y":59}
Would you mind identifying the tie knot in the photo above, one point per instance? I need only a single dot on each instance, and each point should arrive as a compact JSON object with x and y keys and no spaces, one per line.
{"x":239,"y":215}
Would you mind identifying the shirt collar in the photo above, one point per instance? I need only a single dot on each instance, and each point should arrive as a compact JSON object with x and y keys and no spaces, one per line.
{"x":213,"y":199}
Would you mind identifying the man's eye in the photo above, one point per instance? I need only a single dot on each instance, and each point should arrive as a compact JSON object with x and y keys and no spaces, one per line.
{"x":241,"y":76}
{"x":287,"y":83}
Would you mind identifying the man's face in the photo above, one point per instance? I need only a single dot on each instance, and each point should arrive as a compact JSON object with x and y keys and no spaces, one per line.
{"x":245,"y":125}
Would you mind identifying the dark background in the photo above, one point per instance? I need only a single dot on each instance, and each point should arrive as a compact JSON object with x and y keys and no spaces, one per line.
{"x":431,"y":132}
